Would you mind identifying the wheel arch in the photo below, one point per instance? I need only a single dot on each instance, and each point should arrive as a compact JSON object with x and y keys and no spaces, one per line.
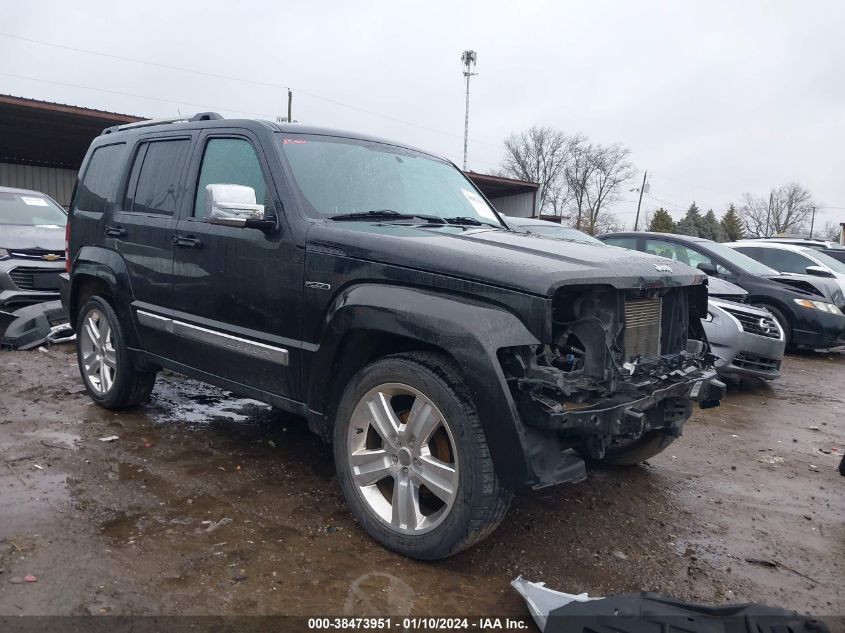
{"x":367,"y":322}
{"x":103,"y":272}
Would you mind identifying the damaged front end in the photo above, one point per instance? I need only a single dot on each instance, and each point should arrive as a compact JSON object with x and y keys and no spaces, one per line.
{"x":620,"y":363}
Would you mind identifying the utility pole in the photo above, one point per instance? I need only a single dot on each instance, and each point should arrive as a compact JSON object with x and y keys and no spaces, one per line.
{"x":639,"y":204}
{"x":812,"y":222}
{"x":469,"y":58}
{"x":290,"y":105}
{"x":768,"y":215}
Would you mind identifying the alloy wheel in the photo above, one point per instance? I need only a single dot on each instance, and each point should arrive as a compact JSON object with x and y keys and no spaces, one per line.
{"x":98,"y":357}
{"x":403,"y":458}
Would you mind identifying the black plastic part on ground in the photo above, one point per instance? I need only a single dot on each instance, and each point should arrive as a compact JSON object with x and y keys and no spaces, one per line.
{"x":29,"y":327}
{"x":649,"y":612}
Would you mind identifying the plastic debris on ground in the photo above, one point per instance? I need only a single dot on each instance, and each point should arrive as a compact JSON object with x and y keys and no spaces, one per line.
{"x":32,"y":326}
{"x":559,"y":612}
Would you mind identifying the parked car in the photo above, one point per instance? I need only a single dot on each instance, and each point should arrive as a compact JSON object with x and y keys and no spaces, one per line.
{"x":545,"y":228}
{"x":831,"y":249}
{"x":746,"y":340}
{"x":806,"y":307}
{"x":372,"y":289}
{"x":32,"y":255}
{"x":788,"y":258}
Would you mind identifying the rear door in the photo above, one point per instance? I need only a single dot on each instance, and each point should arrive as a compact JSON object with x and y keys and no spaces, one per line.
{"x":238,"y":290}
{"x":142,"y":226}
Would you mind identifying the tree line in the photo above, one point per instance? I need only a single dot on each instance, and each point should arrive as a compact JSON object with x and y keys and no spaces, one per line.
{"x":581,"y":180}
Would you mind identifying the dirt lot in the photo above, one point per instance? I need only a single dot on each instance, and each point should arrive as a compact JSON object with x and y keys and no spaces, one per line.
{"x":207,"y":504}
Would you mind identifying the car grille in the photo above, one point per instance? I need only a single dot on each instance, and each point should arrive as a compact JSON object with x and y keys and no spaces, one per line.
{"x":753,"y":324}
{"x":35,"y":278}
{"x":759,"y":363}
{"x":37,"y":253}
{"x":643,"y":327}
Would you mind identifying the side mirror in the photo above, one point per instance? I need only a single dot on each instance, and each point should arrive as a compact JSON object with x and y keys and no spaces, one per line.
{"x":818,"y":271}
{"x":708,"y":269}
{"x":232,"y":205}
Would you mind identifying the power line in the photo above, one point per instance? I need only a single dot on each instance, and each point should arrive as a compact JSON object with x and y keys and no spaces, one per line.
{"x":231,"y":78}
{"x":137,"y":96}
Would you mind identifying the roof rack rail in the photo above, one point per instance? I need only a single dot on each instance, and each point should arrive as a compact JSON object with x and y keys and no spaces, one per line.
{"x":200,"y":116}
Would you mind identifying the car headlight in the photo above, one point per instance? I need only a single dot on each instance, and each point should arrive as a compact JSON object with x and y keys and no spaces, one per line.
{"x":4,"y":254}
{"x":824,"y":306}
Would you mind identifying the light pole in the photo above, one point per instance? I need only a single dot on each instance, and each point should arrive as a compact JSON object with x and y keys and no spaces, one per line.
{"x":468,"y":58}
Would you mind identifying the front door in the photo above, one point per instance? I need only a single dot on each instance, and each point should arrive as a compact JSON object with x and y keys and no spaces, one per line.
{"x":238,"y":290}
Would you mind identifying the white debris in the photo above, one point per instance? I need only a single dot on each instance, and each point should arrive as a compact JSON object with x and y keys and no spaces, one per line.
{"x":109,"y":438}
{"x":541,"y":600}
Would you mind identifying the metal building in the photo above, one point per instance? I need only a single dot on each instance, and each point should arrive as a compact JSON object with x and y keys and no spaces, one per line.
{"x":42,"y":144}
{"x":518,"y":198}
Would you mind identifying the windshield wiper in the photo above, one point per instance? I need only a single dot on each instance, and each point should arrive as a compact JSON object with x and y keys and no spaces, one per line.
{"x":387,"y":214}
{"x":469,"y":220}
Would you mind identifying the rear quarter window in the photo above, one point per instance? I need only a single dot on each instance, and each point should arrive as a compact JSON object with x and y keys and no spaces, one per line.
{"x":621,"y":242}
{"x":99,"y":182}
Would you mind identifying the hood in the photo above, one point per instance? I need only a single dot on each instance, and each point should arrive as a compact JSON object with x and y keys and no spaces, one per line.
{"x":50,"y":237}
{"x":812,"y":285}
{"x":499,"y":257}
{"x":717,"y":287}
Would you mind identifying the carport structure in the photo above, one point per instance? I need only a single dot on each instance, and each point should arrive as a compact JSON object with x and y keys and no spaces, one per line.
{"x":42,"y":144}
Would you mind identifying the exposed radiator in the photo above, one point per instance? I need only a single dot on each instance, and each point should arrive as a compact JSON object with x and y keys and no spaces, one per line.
{"x":642,"y":327}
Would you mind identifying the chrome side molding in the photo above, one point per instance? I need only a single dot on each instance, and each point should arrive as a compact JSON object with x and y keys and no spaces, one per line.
{"x":214,"y":338}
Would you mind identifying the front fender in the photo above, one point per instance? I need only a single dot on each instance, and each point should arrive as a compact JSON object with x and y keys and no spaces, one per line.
{"x":470,"y":332}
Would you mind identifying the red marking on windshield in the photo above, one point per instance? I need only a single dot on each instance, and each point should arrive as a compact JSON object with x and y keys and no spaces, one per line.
{"x":296,"y":141}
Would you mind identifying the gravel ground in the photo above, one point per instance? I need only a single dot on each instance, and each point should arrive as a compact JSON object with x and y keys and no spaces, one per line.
{"x":210,"y":504}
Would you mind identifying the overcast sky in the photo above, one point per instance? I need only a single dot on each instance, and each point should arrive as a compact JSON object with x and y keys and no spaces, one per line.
{"x":713,"y":98}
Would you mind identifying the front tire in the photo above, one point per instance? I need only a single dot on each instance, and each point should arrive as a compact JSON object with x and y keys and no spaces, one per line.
{"x":102,"y":354}
{"x":412,"y":459}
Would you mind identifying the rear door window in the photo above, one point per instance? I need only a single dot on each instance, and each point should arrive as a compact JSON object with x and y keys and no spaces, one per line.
{"x":96,"y":189}
{"x":155,"y":182}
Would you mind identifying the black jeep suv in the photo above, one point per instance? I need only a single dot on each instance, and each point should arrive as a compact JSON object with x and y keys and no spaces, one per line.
{"x":372,"y":289}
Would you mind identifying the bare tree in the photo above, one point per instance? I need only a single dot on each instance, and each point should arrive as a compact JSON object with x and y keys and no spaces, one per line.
{"x":787,"y":209}
{"x":578,"y":174}
{"x":832,"y":232}
{"x":539,"y":155}
{"x":611,"y":169}
{"x":608,"y":223}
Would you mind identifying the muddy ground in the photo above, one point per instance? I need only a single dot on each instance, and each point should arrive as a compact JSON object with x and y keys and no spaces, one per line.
{"x":209,"y":504}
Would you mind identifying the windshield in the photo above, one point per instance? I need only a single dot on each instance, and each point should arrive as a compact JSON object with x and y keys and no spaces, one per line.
{"x":30,"y":209}
{"x":339,"y":176}
{"x":561,"y":233}
{"x":739,"y":260}
{"x":827,"y":260}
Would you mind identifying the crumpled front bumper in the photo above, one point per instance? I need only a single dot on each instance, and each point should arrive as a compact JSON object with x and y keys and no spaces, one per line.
{"x":665,"y":405}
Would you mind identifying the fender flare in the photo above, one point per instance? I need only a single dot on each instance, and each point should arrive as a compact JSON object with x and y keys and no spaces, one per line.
{"x":470,"y":332}
{"x":107,"y":266}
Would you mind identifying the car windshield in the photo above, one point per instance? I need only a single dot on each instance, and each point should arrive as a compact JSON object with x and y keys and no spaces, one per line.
{"x":340,"y":176}
{"x":739,"y":260}
{"x":827,"y":260}
{"x":30,"y":209}
{"x":561,"y":233}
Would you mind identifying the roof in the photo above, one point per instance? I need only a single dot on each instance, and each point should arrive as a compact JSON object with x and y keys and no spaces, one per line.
{"x":34,"y":132}
{"x":783,"y":246}
{"x":498,"y":186}
{"x":676,"y":236}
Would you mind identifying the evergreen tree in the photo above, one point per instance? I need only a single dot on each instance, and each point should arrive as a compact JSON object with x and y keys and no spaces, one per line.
{"x":732,"y":225}
{"x":662,"y":222}
{"x":710,"y":229}
{"x":690,"y":224}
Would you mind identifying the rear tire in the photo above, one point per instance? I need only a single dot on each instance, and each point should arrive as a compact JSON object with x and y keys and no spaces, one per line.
{"x":412,"y":459}
{"x":107,"y":371}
